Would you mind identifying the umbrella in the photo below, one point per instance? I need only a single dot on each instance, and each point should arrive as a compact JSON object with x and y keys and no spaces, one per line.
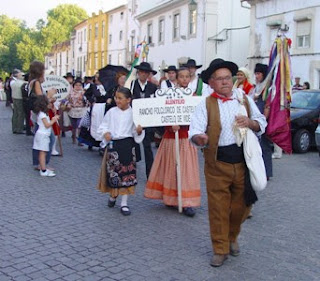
{"x":107,"y":75}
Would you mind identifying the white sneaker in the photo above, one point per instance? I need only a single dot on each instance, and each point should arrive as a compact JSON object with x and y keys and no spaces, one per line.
{"x":55,"y":153}
{"x":47,"y":173}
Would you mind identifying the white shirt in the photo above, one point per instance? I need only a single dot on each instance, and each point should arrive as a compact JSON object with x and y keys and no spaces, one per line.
{"x":143,"y":86}
{"x":206,"y":90}
{"x":119,"y":123}
{"x":228,"y":111}
{"x":42,"y":129}
{"x":165,"y":86}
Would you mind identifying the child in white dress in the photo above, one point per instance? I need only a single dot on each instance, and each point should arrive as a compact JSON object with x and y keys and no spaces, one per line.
{"x":119,"y":164}
{"x":42,"y":137}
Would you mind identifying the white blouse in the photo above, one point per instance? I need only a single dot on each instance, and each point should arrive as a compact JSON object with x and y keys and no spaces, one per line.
{"x":228,"y":111}
{"x":119,"y":123}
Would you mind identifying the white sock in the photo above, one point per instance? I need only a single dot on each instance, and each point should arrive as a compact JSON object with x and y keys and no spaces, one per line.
{"x":124,"y":201}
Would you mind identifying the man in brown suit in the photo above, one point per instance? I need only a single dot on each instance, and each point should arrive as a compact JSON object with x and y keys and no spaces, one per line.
{"x":230,"y":194}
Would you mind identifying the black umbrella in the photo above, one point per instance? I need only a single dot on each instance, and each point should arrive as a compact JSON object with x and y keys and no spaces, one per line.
{"x":107,"y":75}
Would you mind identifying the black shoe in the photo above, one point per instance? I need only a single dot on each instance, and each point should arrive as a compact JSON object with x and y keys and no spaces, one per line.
{"x":189,"y":212}
{"x":63,"y":134}
{"x":90,"y":148}
{"x":29,"y":134}
{"x":125,"y":212}
{"x":111,"y":203}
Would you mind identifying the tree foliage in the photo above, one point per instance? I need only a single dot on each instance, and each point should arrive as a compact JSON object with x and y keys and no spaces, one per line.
{"x":20,"y":45}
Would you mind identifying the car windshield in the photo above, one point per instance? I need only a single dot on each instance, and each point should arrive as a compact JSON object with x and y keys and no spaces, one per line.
{"x":304,"y":99}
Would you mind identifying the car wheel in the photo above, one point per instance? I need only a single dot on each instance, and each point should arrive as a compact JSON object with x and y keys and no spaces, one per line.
{"x":301,"y":141}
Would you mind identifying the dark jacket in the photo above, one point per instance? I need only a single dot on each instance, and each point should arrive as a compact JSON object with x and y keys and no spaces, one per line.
{"x":149,"y":90}
{"x":94,"y":95}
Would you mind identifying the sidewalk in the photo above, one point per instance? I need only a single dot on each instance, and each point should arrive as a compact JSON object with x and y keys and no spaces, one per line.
{"x":61,"y":228}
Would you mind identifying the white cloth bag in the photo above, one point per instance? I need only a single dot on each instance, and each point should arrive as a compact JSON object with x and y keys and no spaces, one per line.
{"x":252,"y":151}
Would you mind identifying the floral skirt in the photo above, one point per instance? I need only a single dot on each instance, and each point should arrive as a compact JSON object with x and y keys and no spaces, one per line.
{"x":121,"y":167}
{"x":162,"y":182}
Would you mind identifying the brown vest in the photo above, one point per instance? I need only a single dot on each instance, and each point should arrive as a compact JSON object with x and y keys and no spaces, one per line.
{"x":214,"y":130}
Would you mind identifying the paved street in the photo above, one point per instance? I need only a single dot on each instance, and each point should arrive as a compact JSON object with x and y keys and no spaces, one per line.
{"x":61,"y":228}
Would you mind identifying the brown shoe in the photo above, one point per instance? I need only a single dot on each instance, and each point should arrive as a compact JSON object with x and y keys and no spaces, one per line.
{"x":218,"y":260}
{"x":234,"y":249}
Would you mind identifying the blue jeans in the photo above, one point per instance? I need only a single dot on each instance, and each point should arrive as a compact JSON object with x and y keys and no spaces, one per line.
{"x":35,"y":153}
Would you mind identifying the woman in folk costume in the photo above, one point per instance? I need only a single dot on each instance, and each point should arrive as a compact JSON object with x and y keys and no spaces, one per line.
{"x":162,"y":182}
{"x":77,"y":108}
{"x":118,"y":170}
{"x":243,"y":80}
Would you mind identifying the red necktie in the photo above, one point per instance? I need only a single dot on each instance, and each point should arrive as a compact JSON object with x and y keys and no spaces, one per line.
{"x":224,"y":99}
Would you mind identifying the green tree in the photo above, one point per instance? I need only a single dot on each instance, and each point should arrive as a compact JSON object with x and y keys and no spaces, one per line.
{"x":11,"y":32}
{"x":61,"y":21}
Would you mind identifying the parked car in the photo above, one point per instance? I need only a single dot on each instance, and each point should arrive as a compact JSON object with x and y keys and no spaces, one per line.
{"x":304,"y":111}
{"x":317,"y":135}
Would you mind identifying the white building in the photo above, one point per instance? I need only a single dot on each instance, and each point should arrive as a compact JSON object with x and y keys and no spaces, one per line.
{"x":60,"y":59}
{"x":79,"y":46}
{"x":298,"y":20}
{"x":202,"y":30}
{"x":118,"y":34}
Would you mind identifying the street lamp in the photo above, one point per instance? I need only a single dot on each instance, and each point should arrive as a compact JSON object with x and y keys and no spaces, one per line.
{"x":192,"y":5}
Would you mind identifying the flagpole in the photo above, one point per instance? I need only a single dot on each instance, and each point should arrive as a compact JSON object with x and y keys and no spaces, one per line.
{"x":178,"y":168}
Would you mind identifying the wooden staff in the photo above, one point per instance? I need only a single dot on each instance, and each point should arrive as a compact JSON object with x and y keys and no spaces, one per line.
{"x":176,"y":134}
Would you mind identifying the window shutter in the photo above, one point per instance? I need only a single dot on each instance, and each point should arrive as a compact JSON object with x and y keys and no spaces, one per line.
{"x":303,"y":28}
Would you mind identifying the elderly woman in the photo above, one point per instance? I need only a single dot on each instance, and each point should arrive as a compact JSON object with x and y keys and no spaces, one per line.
{"x":243,"y":80}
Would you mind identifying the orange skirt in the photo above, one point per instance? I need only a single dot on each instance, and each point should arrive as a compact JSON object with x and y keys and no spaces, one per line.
{"x":162,"y":181}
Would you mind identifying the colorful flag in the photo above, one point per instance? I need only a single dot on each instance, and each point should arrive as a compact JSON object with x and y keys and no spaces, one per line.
{"x":277,"y":94}
{"x":140,"y":55}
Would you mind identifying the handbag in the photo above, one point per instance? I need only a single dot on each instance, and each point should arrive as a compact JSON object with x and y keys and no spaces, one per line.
{"x":252,"y":151}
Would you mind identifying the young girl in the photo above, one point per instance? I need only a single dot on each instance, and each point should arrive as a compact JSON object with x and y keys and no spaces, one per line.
{"x":118,"y":170}
{"x":162,"y":182}
{"x":42,"y":137}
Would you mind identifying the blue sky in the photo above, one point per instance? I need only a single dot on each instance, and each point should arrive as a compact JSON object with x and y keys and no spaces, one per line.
{"x":32,"y":10}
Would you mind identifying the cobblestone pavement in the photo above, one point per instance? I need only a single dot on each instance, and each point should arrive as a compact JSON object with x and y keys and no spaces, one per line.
{"x":61,"y":228}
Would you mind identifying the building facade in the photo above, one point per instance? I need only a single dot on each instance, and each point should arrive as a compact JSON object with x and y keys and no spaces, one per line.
{"x":80,"y":48}
{"x":97,"y":36}
{"x":117,"y":36}
{"x":294,"y":19}
{"x":202,"y":30}
{"x":59,"y":60}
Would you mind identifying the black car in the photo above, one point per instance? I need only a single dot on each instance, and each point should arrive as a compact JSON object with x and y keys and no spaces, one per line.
{"x":304,"y":111}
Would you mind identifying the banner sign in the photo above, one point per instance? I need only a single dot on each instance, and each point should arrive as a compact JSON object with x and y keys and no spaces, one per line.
{"x":58,"y":83}
{"x":169,"y":107}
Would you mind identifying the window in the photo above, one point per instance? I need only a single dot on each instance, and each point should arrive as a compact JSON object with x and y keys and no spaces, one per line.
{"x":111,"y":18}
{"x":103,"y":29}
{"x":149,"y":33}
{"x":192,"y":22}
{"x":119,"y":59}
{"x":78,"y":37}
{"x":109,"y":59}
{"x":84,"y":64}
{"x":95,"y":60}
{"x":90,"y":31}
{"x":102,"y":58}
{"x":96,"y":30}
{"x":303,"y":34}
{"x":176,"y":26}
{"x":110,"y":38}
{"x":121,"y":15}
{"x":85,"y":35}
{"x":120,"y":35}
{"x":161,"y":31}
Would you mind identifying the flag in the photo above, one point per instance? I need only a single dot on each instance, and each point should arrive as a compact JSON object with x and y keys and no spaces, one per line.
{"x":140,"y":55}
{"x":277,"y":94}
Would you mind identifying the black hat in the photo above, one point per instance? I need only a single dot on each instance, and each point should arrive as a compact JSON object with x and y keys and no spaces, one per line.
{"x":69,"y":74}
{"x":262,"y":68}
{"x":192,"y":63}
{"x":217,"y":64}
{"x":145,"y":66}
{"x":170,"y":68}
{"x":78,"y":80}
